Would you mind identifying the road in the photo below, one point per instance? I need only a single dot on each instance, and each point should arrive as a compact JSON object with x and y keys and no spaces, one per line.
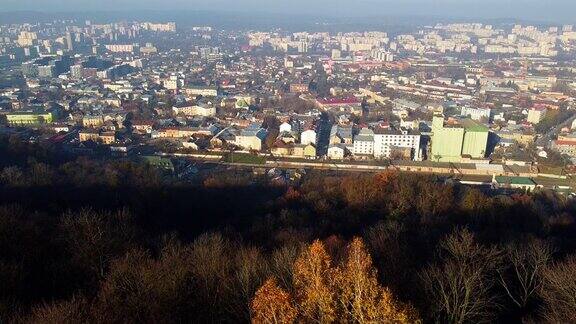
{"x":323,"y":134}
{"x":545,"y":139}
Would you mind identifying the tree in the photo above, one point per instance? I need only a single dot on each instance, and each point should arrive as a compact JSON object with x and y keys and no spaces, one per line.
{"x":142,"y":289}
{"x":523,"y":277}
{"x":41,"y":174}
{"x":361,"y":299}
{"x":433,"y":204}
{"x":250,"y":271}
{"x":272,"y":305}
{"x":210,"y":257}
{"x":348,"y":293}
{"x":558,"y":292}
{"x":282,"y":264}
{"x":94,"y":239}
{"x":12,"y":176}
{"x":313,"y":277}
{"x":390,"y":253}
{"x":474,"y":201}
{"x":74,"y":310}
{"x":459,"y":289}
{"x":362,"y":191}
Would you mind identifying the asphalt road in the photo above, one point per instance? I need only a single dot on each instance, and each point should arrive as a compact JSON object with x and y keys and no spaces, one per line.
{"x":545,"y":139}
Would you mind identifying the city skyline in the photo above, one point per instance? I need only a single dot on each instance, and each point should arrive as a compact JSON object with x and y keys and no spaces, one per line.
{"x":548,"y":11}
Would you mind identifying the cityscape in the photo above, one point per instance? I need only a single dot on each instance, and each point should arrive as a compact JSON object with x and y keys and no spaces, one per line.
{"x":466,"y":99}
{"x":178,"y":172}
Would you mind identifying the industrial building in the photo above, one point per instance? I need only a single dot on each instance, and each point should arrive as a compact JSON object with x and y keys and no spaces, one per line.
{"x":462,"y":138}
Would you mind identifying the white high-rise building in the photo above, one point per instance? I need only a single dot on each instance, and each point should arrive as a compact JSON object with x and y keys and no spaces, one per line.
{"x":76,"y":71}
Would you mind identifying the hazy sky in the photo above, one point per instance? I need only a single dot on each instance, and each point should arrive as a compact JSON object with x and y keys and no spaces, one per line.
{"x":545,"y":10}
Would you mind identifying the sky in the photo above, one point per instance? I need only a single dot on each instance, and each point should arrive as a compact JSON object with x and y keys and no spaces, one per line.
{"x":538,"y":10}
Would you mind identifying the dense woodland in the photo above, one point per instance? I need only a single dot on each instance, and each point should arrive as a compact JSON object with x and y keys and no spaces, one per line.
{"x":110,"y":241}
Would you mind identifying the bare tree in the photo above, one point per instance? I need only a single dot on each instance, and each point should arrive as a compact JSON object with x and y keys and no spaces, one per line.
{"x":74,"y":310}
{"x":282,"y":264}
{"x":94,"y":239}
{"x":522,"y":278}
{"x":211,"y":266}
{"x":12,"y":176}
{"x":460,"y":287}
{"x":389,"y":252}
{"x":558,"y":292}
{"x":250,"y":271}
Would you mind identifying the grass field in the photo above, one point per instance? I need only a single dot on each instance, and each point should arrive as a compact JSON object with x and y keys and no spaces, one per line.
{"x":243,"y":158}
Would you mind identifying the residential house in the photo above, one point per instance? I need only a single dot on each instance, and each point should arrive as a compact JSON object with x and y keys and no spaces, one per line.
{"x":341,"y":135}
{"x":97,"y":136}
{"x":337,"y":151}
{"x":252,"y":137}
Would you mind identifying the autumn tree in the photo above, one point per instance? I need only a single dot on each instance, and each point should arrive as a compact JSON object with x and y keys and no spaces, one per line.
{"x":474,"y":201}
{"x":324,"y":293}
{"x":313,"y":275}
{"x":362,"y":191}
{"x":361,"y":299}
{"x":272,"y":305}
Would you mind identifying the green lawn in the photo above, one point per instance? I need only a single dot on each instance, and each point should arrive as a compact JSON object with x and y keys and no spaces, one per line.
{"x":244,"y":158}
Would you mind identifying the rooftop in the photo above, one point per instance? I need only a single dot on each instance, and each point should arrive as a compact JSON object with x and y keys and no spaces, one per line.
{"x":515,"y":181}
{"x":473,"y":126}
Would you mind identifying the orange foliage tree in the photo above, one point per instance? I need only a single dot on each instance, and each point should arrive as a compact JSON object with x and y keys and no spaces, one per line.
{"x":271,"y":304}
{"x":361,"y":299}
{"x":324,"y":293}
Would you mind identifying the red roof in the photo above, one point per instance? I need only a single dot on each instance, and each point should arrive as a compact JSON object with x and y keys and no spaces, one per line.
{"x":539,"y":107}
{"x":566,"y":143}
{"x":57,"y":138}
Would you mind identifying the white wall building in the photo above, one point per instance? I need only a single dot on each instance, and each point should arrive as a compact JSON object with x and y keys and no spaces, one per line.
{"x":308,"y":137}
{"x":285,"y":127}
{"x":251,"y":138}
{"x":536,"y":115}
{"x":196,"y":110}
{"x":475,"y":113}
{"x":336,"y":151}
{"x":364,"y":142}
{"x":386,"y":140}
{"x":201,"y":91}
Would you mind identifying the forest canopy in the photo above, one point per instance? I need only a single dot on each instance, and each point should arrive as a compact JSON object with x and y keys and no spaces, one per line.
{"x":93,"y":241}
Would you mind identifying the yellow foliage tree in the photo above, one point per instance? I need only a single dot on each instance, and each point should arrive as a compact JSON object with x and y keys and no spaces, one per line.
{"x":313,"y":284}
